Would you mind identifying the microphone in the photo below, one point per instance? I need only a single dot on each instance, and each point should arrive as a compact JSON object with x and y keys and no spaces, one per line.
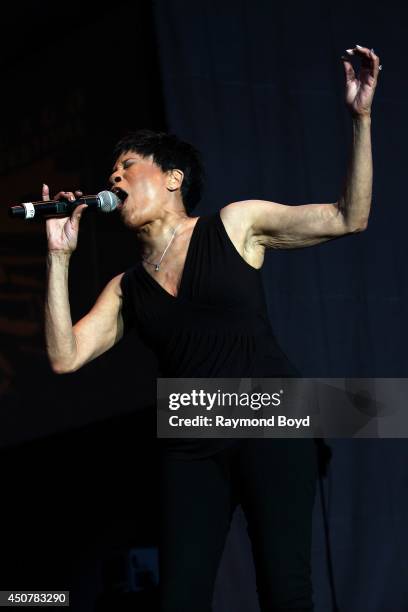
{"x":104,"y":201}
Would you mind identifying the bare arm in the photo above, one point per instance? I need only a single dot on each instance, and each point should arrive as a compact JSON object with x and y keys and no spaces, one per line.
{"x":71,"y":346}
{"x":59,"y":337}
{"x":273,"y":225}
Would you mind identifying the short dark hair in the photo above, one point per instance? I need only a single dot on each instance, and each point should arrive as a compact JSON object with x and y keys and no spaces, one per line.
{"x":169,"y":153}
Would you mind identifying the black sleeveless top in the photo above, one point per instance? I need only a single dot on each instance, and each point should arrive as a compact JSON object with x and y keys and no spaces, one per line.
{"x":216,"y":327}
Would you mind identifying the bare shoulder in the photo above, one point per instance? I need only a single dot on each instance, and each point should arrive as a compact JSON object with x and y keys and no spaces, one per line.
{"x":237,"y":219}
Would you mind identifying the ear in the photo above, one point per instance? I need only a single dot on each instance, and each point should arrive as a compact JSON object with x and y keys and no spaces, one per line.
{"x":174,"y":179}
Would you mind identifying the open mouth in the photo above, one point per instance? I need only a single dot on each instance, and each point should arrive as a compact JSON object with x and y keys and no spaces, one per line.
{"x":122,"y":195}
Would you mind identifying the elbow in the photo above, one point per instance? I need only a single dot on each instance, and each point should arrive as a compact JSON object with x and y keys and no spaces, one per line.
{"x":61,"y":368}
{"x":57,"y":369}
{"x":63,"y":361}
{"x":363,"y":226}
{"x":351,"y":223}
{"x":358,"y":227}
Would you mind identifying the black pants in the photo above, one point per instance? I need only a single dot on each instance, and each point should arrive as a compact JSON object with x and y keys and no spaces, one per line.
{"x":274,"y":481}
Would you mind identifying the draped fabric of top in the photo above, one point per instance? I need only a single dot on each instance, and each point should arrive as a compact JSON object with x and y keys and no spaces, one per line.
{"x":217,"y":326}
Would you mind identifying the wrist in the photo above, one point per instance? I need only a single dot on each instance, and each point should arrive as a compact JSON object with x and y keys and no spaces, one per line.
{"x":362,"y":119}
{"x":59,"y":255}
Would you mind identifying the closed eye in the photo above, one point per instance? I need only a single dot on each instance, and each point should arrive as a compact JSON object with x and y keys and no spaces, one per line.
{"x":127,"y":163}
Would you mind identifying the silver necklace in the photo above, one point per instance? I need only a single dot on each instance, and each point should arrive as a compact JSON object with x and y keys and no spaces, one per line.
{"x":158,"y":264}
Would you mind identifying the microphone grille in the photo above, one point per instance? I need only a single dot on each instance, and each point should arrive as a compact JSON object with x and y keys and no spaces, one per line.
{"x":108,"y":201}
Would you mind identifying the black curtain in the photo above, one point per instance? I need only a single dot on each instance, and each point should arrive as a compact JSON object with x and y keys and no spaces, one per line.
{"x":258,"y":88}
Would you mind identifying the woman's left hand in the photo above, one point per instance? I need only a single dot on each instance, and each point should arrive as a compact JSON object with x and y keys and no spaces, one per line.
{"x":360,"y":88}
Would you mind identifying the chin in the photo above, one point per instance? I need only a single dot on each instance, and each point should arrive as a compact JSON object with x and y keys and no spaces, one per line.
{"x":124,"y":216}
{"x":130,"y":221}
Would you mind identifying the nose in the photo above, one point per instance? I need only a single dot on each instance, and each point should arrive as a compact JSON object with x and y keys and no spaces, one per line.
{"x":115,"y":178}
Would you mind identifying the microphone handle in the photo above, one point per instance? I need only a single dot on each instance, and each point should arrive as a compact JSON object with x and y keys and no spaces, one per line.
{"x":51,"y":208}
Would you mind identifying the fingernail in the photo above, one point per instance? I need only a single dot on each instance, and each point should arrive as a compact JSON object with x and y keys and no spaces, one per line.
{"x":359,"y":46}
{"x":350,"y":51}
{"x":45,"y":186}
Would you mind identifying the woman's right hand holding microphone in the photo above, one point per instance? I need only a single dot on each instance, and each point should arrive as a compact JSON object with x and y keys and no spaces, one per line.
{"x":62,"y":233}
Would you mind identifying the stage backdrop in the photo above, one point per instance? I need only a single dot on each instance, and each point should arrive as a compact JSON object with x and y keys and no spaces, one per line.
{"x":258,"y":87}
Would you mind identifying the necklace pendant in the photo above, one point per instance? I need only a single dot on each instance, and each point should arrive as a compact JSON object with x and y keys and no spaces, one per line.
{"x":157,"y":267}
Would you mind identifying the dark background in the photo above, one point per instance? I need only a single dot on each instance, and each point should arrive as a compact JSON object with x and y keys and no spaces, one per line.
{"x":258,"y":88}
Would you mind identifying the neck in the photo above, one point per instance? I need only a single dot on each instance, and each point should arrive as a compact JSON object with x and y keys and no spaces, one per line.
{"x":155,"y":235}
